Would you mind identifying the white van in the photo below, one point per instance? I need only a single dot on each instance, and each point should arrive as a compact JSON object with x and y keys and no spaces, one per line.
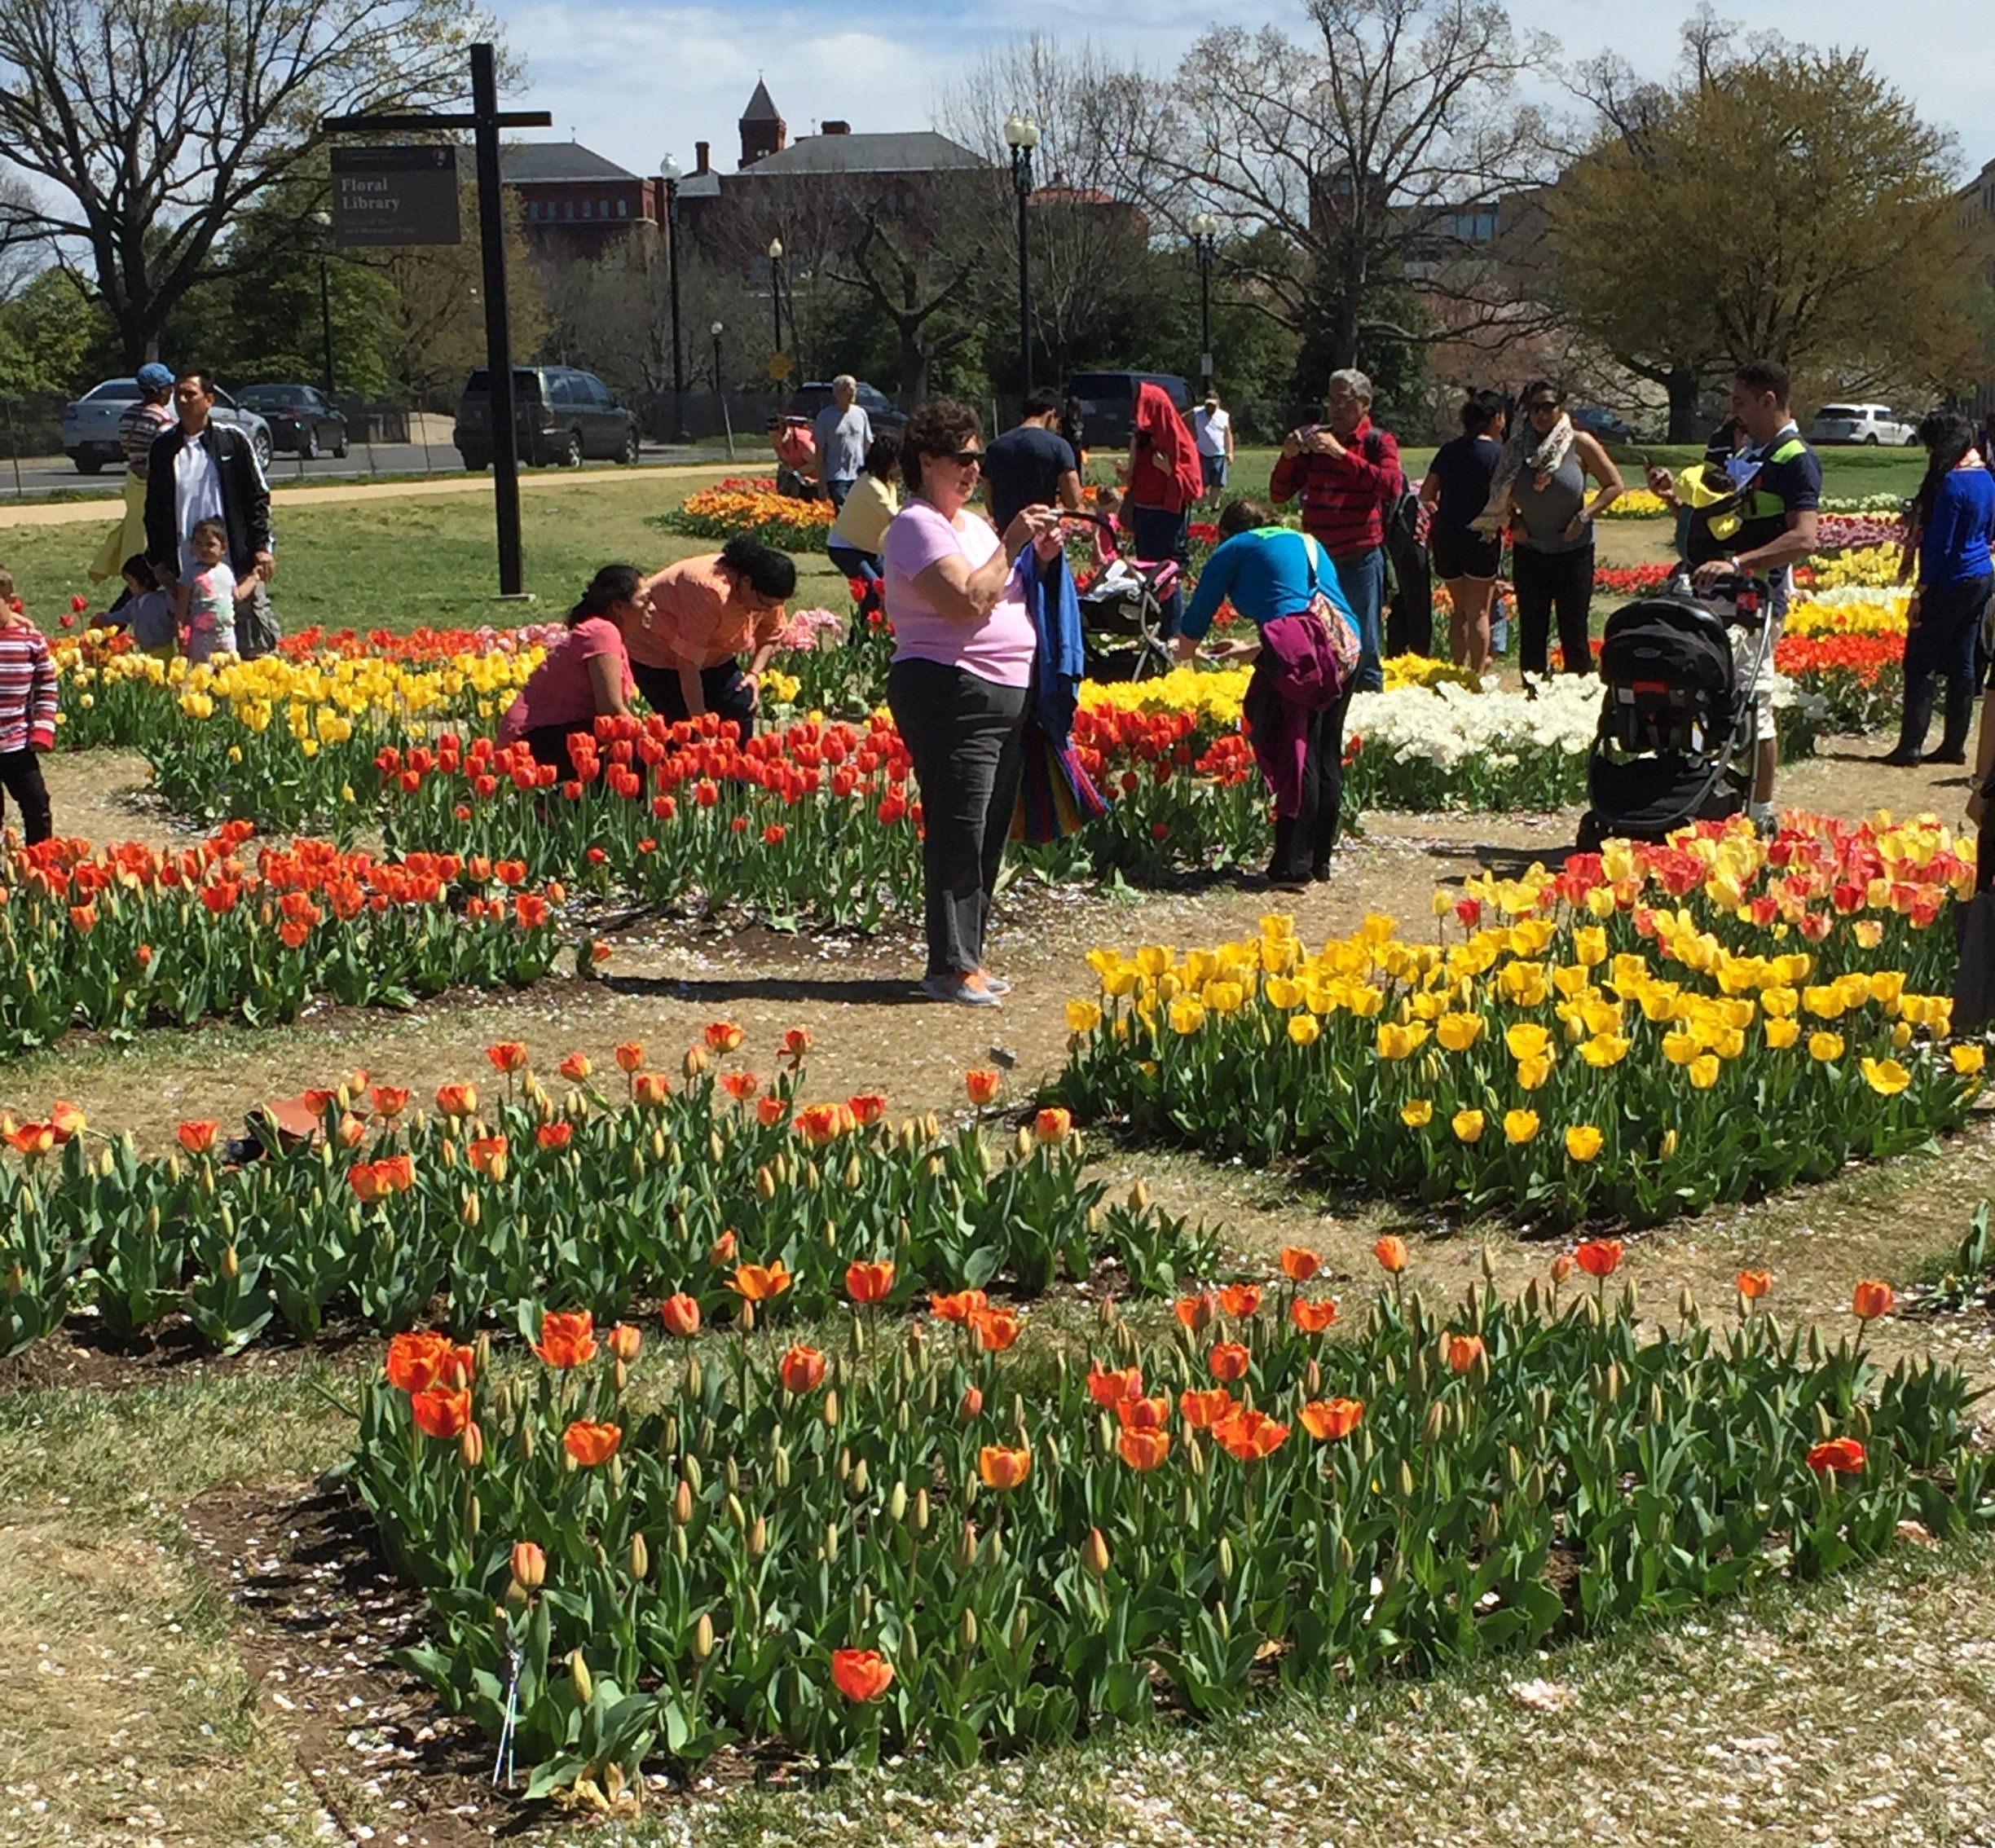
{"x":1870,"y":425}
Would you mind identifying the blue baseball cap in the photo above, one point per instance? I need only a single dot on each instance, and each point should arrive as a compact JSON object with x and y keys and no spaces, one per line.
{"x":153,"y":376}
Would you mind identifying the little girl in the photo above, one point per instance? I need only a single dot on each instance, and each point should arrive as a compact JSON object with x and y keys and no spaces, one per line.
{"x":27,"y":712}
{"x":145,"y":610}
{"x":207,"y":601}
{"x":1108,"y":547}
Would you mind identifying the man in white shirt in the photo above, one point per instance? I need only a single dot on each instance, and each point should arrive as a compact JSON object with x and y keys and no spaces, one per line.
{"x":1214,"y":428}
{"x":844,"y":433}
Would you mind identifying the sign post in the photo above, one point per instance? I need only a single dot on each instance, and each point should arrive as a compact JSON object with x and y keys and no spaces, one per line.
{"x":405,"y":186}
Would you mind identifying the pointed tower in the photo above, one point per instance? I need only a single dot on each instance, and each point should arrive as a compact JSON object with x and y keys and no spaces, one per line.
{"x":763,"y":131}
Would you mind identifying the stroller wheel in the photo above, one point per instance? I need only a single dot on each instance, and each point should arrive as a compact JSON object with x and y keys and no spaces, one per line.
{"x":1593,"y":834}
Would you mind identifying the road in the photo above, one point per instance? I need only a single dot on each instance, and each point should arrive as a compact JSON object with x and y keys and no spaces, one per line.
{"x":42,"y":475}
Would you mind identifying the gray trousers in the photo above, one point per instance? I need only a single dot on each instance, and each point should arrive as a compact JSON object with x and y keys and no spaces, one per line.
{"x":966,"y":736}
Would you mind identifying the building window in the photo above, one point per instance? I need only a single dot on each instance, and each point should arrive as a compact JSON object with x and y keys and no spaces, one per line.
{"x":602,"y":209}
{"x":585,"y":208}
{"x":622,"y":208}
{"x":568,"y":209}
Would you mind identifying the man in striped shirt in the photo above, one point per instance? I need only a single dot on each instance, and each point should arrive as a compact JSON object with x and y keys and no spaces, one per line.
{"x":27,"y":712}
{"x":1346,"y":470}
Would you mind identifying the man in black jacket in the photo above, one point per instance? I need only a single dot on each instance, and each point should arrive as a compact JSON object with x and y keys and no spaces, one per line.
{"x":202,"y":470}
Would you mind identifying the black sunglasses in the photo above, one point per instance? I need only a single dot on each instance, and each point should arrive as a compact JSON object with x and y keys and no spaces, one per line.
{"x":965,"y":458}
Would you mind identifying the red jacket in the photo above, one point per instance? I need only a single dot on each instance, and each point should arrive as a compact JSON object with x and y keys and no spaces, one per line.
{"x":1344,"y":497}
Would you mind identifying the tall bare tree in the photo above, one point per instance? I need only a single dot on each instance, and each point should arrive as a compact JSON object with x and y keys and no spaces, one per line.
{"x":148,"y":125}
{"x":1375,"y":149}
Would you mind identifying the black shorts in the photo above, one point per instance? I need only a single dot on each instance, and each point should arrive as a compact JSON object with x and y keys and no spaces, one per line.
{"x":1464,"y":553}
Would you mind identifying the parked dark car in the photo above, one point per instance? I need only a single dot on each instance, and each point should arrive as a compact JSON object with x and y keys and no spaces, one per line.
{"x":562,"y":416}
{"x":1109,"y":400}
{"x":814,"y":394}
{"x":1605,"y":425}
{"x":301,"y":418}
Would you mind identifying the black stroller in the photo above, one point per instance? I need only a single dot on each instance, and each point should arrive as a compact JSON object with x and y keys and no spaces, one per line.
{"x":1122,"y":615}
{"x":1679,"y":721}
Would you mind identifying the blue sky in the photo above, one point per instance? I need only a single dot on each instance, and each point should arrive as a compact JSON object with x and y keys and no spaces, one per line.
{"x":687,"y":69}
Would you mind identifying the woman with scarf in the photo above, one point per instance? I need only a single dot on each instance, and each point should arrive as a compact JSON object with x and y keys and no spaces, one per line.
{"x":1165,"y":482}
{"x":1271,"y":574}
{"x":1539,"y":492}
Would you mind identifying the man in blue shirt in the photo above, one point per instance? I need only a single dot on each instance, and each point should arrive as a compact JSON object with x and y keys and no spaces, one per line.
{"x":844,"y":433}
{"x":1266,"y":571}
{"x":1779,"y":525}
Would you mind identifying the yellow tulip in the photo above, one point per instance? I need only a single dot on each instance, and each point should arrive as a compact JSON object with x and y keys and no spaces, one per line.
{"x":1825,"y":1046}
{"x":1886,"y":1076}
{"x":1782,"y":1033}
{"x":1458,"y":1032}
{"x":1703,"y":1071}
{"x":1420,"y":1113}
{"x":1468,"y":1125}
{"x":1583,"y":1141}
{"x":1304,"y":1029}
{"x":1082,"y":1017}
{"x":1520,"y":1125}
{"x":1968,"y":1060}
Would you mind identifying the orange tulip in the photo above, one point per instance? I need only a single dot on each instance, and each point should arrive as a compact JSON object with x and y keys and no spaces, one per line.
{"x":722,"y":1249}
{"x":389,"y":1101}
{"x":198,"y":1138}
{"x":1228,"y":1361}
{"x":796,"y":1044}
{"x":554,"y":1135}
{"x":1250,"y":1434}
{"x":420,"y":1359}
{"x":770,"y":1111}
{"x":529,"y":1566}
{"x":870,"y":1281}
{"x":1202,"y":1410}
{"x":591,"y":1443}
{"x":867,"y":1108}
{"x":1464,"y":1351}
{"x":1871,"y":1300}
{"x":508,"y":1056}
{"x":802,"y":1369}
{"x":860,"y":1674}
{"x":456,"y":1100}
{"x":1051,"y":1126}
{"x":681,"y":1315}
{"x":576,"y":1066}
{"x":821,"y":1124}
{"x":759,"y":1282}
{"x":958,"y":1307}
{"x":1003,"y":1468}
{"x":441,"y":1412}
{"x":1143,"y":1414}
{"x":350,"y":1132}
{"x":1599,"y":1257}
{"x":567,"y":1338}
{"x":995,"y":1329}
{"x":65,"y":1120}
{"x":739,"y":1085}
{"x":1109,"y":1388}
{"x":488,"y":1155}
{"x":1562,"y":1267}
{"x":1197,"y":1313}
{"x":1299,"y":1266}
{"x":32,"y":1138}
{"x":1839,"y":1456}
{"x":364,"y":1177}
{"x":1754,"y":1284}
{"x":395,"y":1174}
{"x":651,"y":1088}
{"x":983,"y":1087}
{"x":624,"y":1341}
{"x":972,"y":1402}
{"x":630,"y":1056}
{"x":1143,"y":1448}
{"x":1313,"y":1317}
{"x":1240,"y":1299}
{"x":1328,"y":1419}
{"x":722,"y":1036}
{"x":1391,"y":1252}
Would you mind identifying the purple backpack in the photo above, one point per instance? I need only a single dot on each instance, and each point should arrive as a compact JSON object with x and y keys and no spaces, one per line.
{"x":1312,"y":655}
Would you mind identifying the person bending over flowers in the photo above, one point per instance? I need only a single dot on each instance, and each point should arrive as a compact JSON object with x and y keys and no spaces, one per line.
{"x":691,"y":623}
{"x":586,"y":674}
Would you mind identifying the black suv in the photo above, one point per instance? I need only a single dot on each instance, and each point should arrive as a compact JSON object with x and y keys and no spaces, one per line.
{"x":813,"y":395}
{"x":1107,"y":402}
{"x":562,"y":416}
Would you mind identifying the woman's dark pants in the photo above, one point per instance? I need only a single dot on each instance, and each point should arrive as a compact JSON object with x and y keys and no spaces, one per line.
{"x":966,"y":736}
{"x":724,"y":689}
{"x":1549,"y":580}
{"x":1942,"y":645}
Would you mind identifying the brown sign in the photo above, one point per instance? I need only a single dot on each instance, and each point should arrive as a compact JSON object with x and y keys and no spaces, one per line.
{"x":385,"y":195}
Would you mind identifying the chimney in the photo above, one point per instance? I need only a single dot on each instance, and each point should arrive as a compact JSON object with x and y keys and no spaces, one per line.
{"x":837,"y":128}
{"x":702,"y":154}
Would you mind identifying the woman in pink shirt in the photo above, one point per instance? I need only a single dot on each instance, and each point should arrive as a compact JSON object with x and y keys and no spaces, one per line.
{"x":586,"y":674}
{"x":961,"y":681}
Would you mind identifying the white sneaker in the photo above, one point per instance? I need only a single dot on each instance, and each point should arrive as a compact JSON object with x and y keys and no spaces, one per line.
{"x":957,"y":988}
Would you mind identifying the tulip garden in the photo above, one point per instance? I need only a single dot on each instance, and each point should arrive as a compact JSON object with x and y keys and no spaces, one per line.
{"x":764,"y":1432}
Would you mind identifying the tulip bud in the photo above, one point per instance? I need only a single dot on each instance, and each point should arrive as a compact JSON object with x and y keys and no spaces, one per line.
{"x":231,"y":1265}
{"x":1139,"y":1196}
{"x":694,"y":1062}
{"x":527,"y":1441}
{"x":831,"y":1407}
{"x":1513,"y":1466}
{"x":1406,"y":1480}
{"x":579,"y":1675}
{"x":1226,"y":1559}
{"x":1347,"y":1557}
{"x":682,"y":1502}
{"x":854,"y":1175}
{"x":830,"y":1542}
{"x":765,"y":1182}
{"x":529,"y":1565}
{"x":1492,"y":1527}
{"x":1534,"y":1486}
{"x":471,"y":1446}
{"x":758,"y":1538}
{"x":1860,"y":1420}
{"x":1021,"y":1629}
{"x":703,"y":1638}
{"x":921,"y":1511}
{"x":1094,"y":1555}
{"x":474,"y":1516}
{"x":1430,"y":1426}
{"x":1824,"y":1425}
{"x":780,"y":1468}
{"x":969,"y":1628}
{"x":967,"y":1552}
{"x":469,"y":1213}
{"x":896,"y":1503}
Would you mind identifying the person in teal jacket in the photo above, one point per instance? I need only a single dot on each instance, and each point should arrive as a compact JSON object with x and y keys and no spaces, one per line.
{"x":1266,"y":571}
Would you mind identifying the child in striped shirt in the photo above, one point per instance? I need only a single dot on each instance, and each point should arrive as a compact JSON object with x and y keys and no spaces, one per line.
{"x":26,"y":711}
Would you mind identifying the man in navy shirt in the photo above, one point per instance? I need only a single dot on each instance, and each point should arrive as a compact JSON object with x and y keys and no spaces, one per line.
{"x":1032,"y":466}
{"x":1779,"y":524}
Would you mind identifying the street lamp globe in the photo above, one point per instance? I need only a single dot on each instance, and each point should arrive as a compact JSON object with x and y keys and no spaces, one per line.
{"x":670,"y":170}
{"x":717,"y":329}
{"x":1030,"y":140}
{"x":1205,"y":224}
{"x":775,"y":249}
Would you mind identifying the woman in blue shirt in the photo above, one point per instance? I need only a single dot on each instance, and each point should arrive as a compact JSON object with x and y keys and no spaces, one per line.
{"x":1954,"y":519}
{"x":1264,"y":571}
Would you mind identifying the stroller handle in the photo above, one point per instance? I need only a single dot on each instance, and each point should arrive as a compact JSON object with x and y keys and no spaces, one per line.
{"x":1734,"y":588}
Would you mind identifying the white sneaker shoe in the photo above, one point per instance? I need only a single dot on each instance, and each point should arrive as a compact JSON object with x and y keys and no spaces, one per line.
{"x":958,"y":988}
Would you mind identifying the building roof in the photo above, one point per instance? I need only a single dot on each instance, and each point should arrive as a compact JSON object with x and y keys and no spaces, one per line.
{"x":919,"y":152}
{"x":761,"y":106}
{"x":526,"y":162}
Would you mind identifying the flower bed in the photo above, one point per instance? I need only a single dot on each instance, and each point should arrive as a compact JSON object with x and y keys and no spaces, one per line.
{"x":720,"y":1191}
{"x":1645,"y":1033}
{"x":749,"y":503}
{"x":116,"y":938}
{"x":898,"y":1543}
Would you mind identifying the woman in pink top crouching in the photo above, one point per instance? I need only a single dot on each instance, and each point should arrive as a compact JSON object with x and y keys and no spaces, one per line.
{"x":586,"y":674}
{"x":961,"y":681}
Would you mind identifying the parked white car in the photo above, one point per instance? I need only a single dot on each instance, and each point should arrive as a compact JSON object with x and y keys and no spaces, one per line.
{"x":90,"y":424}
{"x":1871,"y":425}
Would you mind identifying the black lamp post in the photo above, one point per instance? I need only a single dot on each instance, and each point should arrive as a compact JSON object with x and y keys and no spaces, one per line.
{"x":324,"y":220}
{"x":716,"y":330}
{"x":775,"y":258}
{"x":1204,"y":233}
{"x":1022,"y":137}
{"x":668,"y":177}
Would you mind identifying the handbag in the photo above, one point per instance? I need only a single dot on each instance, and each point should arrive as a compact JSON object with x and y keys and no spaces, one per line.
{"x":1311,"y":654}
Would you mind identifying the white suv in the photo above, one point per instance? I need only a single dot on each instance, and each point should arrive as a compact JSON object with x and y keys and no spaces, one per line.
{"x":1867,"y":423}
